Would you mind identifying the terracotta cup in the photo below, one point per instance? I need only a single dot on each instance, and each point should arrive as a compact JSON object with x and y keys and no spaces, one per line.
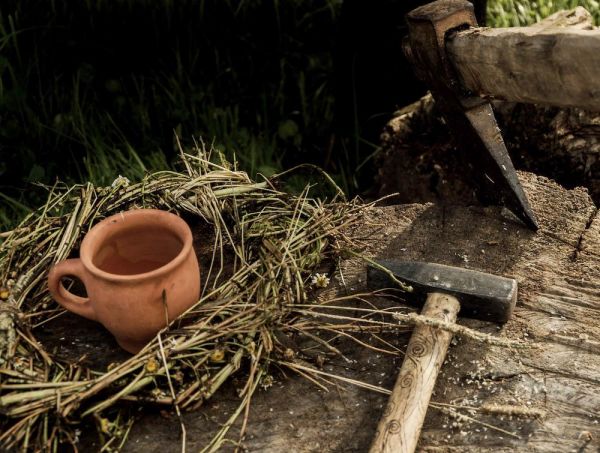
{"x":139,"y":270}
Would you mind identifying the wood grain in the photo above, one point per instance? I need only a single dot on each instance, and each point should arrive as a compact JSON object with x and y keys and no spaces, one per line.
{"x":400,"y":425}
{"x":558,"y":313}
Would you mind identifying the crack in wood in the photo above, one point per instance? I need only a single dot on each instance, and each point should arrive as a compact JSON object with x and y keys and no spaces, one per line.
{"x":575,"y":342}
{"x":561,"y":373}
{"x":588,"y":225}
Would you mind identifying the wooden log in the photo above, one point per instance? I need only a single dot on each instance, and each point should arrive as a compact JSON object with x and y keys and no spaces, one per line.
{"x":555,"y":62}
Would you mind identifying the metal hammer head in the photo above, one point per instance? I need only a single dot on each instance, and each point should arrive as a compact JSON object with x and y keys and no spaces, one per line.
{"x":482,"y":296}
{"x":470,"y":117}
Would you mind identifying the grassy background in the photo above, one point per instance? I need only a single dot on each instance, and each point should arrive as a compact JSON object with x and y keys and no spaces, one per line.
{"x":515,"y":13}
{"x":93,"y":89}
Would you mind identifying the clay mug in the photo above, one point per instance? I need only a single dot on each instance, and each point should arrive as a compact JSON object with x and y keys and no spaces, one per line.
{"x":138,"y":268}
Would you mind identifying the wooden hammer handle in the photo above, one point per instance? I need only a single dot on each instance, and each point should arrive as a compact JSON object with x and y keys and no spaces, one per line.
{"x":401,"y":423}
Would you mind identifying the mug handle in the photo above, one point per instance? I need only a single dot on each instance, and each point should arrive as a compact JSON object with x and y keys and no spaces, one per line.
{"x":76,"y":304}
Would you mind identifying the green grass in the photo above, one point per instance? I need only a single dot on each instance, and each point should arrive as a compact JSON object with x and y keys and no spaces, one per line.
{"x":513,"y":13}
{"x":262,"y":94}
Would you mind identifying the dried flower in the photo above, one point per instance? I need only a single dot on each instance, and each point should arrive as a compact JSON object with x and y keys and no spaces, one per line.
{"x":267,"y":381}
{"x":320,"y":280}
{"x":120,"y":181}
{"x":157,"y":393}
{"x":217,"y":356}
{"x":105,"y":425}
{"x":152,"y":365}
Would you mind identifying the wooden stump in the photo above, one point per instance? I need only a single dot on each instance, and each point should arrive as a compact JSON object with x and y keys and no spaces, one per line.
{"x":558,"y":312}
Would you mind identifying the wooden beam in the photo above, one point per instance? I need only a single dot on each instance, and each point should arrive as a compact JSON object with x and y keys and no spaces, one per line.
{"x":555,"y":62}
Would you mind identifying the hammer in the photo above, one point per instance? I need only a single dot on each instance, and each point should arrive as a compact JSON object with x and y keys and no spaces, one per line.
{"x":449,"y":289}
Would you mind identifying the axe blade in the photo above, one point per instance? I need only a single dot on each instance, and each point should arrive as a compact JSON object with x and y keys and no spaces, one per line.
{"x":470,"y":117}
{"x":497,"y":178}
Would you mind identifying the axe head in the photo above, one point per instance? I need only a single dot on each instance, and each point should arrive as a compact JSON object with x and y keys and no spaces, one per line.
{"x":470,"y":118}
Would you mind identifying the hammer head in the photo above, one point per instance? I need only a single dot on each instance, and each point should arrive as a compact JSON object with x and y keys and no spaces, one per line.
{"x":482,"y":296}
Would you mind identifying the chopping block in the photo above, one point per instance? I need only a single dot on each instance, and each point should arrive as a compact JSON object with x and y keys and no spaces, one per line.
{"x":449,"y":289}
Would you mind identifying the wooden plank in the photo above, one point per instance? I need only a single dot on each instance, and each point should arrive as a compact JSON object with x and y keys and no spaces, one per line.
{"x":556,"y":62}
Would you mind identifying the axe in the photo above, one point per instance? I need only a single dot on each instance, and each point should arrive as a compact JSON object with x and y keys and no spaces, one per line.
{"x":465,"y":66}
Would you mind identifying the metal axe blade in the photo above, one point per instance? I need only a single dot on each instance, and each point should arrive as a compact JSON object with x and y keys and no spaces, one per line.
{"x":471,"y":118}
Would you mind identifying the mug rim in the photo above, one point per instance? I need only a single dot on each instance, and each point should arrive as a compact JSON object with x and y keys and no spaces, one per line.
{"x":181,"y":229}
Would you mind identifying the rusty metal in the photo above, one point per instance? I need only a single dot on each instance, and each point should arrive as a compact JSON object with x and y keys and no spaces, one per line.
{"x":470,"y":117}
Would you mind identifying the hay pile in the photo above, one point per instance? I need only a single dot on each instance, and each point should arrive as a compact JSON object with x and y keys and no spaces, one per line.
{"x":276,"y":242}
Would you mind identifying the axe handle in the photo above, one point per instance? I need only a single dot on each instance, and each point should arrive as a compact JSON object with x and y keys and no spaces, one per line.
{"x":400,"y":425}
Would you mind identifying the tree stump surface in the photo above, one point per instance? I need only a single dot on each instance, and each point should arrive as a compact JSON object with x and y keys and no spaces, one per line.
{"x":558,"y":313}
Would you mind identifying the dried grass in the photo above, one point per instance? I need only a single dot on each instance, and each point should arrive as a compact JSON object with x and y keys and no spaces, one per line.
{"x":277,"y":241}
{"x":242,"y":325}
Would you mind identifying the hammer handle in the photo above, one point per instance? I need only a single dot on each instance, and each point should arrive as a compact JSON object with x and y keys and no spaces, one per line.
{"x":400,"y":425}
